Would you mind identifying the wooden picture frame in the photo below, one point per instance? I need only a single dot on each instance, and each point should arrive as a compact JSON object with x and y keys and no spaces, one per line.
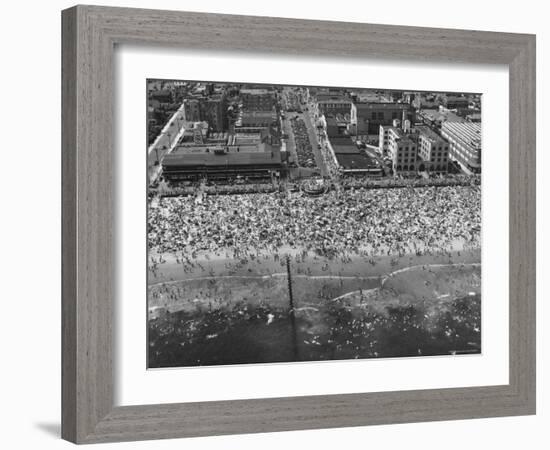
{"x":89,"y":35}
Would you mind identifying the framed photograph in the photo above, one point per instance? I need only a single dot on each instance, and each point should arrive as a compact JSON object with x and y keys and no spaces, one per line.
{"x":275,"y":230}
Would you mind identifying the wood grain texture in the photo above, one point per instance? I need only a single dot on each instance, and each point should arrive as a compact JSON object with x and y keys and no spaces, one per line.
{"x":89,"y":36}
{"x":68,"y":224}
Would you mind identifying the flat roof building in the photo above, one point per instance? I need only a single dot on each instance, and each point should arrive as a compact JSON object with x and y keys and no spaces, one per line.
{"x":222,"y":162}
{"x":465,"y":144}
{"x":402,"y":150}
{"x":337,"y":106}
{"x":335,"y":127}
{"x":258,"y":99}
{"x":256,"y":119}
{"x":211,"y":109}
{"x":436,"y":117}
{"x":351,"y":160}
{"x":371,"y":115}
{"x":455,"y":101}
{"x":418,"y":149}
{"x":433,"y":151}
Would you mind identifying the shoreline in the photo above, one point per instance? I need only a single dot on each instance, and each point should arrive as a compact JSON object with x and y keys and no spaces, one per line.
{"x":361,"y":292}
{"x":304,"y":263}
{"x":175,"y":290}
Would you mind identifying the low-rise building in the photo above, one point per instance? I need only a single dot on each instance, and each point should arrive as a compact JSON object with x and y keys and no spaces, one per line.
{"x":370,"y":116}
{"x":211,"y":109}
{"x":256,"y":119}
{"x":351,"y":160}
{"x":162,"y":95}
{"x":455,"y":101}
{"x":259,"y":161}
{"x":335,"y":127}
{"x":191,"y":110}
{"x":411,"y":150}
{"x":258,"y":99}
{"x":433,"y":151}
{"x":402,"y":150}
{"x":337,"y":106}
{"x":435,"y":118}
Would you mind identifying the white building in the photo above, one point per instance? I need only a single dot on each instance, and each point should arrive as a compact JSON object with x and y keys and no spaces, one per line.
{"x":413,"y":149}
{"x":464,"y":144}
{"x":401,"y":149}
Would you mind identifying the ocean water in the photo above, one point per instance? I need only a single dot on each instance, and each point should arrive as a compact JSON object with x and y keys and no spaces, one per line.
{"x":417,"y":313}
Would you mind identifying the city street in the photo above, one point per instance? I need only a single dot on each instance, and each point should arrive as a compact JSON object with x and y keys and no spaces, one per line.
{"x":290,"y":142}
{"x":164,"y":143}
{"x":312,"y":134}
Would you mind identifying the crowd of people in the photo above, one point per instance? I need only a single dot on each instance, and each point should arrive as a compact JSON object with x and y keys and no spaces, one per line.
{"x":365,"y":182}
{"x":304,"y":149}
{"x":358,"y":221}
{"x":315,"y":186}
{"x":292,"y":101}
{"x":192,"y":188}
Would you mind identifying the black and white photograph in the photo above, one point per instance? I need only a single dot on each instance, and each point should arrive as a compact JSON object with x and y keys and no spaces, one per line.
{"x":300,"y":223}
{"x":266,"y":225}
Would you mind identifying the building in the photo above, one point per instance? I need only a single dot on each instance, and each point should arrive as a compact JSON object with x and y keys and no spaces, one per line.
{"x":256,"y":119}
{"x":464,"y":144}
{"x":258,"y":99}
{"x":473,"y":117}
{"x":411,"y":150}
{"x":259,"y":161}
{"x":162,"y":95}
{"x":337,"y":106}
{"x":434,"y":118}
{"x":361,"y":96}
{"x":465,"y":112}
{"x":384,"y":137}
{"x":455,"y":102}
{"x":370,"y":116}
{"x":351,"y":160}
{"x":335,"y":127}
{"x":195,"y":133}
{"x":264,"y":123}
{"x":191,"y":110}
{"x":211,"y":109}
{"x":400,"y":146}
{"x":433,"y":151}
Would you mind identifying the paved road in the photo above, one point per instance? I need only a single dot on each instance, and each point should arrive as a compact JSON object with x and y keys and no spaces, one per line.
{"x":165,"y":142}
{"x":312,"y":133}
{"x":290,"y":142}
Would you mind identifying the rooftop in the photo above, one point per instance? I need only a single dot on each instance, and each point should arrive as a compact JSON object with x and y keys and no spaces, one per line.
{"x":469,"y":132}
{"x":160,"y":93}
{"x":429,"y":133}
{"x":355,"y":161}
{"x":328,"y":98}
{"x":386,"y":105}
{"x":256,"y":91}
{"x":455,"y":98}
{"x":216,"y":155}
{"x":343,"y":145}
{"x":401,"y":135}
{"x":256,"y":117}
{"x":372,"y":97}
{"x":474,"y":116}
{"x":436,"y":115}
